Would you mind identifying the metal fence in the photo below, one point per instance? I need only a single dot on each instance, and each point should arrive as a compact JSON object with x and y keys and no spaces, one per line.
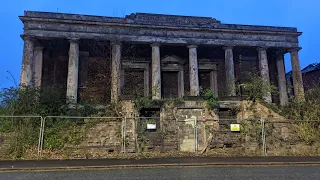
{"x":291,"y":137}
{"x":17,"y":133}
{"x":149,"y":134}
{"x":82,"y":133}
{"x":94,"y":137}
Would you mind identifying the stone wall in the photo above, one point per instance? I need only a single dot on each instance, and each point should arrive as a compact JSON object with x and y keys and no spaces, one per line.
{"x":105,"y":135}
{"x":169,"y":128}
{"x":178,"y":122}
{"x":5,"y":142}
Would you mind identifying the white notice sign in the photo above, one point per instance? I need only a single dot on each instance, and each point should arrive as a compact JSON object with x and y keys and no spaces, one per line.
{"x":151,"y":126}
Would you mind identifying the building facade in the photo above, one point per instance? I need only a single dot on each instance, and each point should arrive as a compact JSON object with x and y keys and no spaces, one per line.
{"x":163,"y":56}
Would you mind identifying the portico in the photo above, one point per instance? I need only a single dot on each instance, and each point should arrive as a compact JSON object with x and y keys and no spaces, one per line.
{"x":173,"y":55}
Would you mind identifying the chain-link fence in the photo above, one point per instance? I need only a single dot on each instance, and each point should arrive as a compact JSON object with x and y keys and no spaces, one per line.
{"x":19,"y":136}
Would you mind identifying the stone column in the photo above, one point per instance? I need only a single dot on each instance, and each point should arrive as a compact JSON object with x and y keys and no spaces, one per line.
{"x":83,"y":68}
{"x":193,"y":71}
{"x":72,"y":82}
{"x":26,"y":76}
{"x":264,"y":70}
{"x":181,"y":82}
{"x":296,"y":74}
{"x":156,"y":72}
{"x":283,"y":95}
{"x":37,"y":68}
{"x":214,"y":81}
{"x":115,"y":71}
{"x":229,"y":66}
{"x":146,"y":81}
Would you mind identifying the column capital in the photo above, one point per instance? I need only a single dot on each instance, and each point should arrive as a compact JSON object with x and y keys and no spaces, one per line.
{"x":74,"y":40}
{"x":26,"y":37}
{"x":261,"y":48}
{"x":192,"y":46}
{"x":155,"y":45}
{"x":228,"y":47}
{"x":295,"y":49}
{"x":38,"y":48}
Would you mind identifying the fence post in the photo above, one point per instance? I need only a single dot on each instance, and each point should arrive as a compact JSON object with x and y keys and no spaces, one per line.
{"x":263,"y":136}
{"x":40,"y":135}
{"x":196,"y":135}
{"x":124,"y":134}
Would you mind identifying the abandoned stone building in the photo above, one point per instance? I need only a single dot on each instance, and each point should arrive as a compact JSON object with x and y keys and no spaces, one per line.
{"x":164,"y":56}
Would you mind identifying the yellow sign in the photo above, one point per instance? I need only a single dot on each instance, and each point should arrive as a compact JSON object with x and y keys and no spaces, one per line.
{"x":235,"y":127}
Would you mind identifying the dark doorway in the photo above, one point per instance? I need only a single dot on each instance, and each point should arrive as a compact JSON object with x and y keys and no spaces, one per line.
{"x":204,"y":80}
{"x":169,"y":84}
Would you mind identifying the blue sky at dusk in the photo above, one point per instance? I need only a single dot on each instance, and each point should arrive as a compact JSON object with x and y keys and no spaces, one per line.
{"x":305,"y":15}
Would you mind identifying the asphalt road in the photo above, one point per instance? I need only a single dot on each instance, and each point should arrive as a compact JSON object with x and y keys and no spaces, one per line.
{"x":185,"y":173}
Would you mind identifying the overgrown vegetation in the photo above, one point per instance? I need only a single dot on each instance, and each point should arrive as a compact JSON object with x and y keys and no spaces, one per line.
{"x":148,"y":102}
{"x":40,"y":102}
{"x":211,"y":98}
{"x":303,"y":112}
{"x":257,"y":88}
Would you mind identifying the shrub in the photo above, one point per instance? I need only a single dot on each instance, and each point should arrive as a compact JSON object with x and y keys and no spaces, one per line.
{"x":211,"y":99}
{"x":257,"y":88}
{"x":45,"y":101}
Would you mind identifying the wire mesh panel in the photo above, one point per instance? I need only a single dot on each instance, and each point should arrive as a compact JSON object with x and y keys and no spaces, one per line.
{"x":252,"y":134}
{"x":82,"y":137}
{"x":150,"y":137}
{"x":292,"y":138}
{"x":19,"y":136}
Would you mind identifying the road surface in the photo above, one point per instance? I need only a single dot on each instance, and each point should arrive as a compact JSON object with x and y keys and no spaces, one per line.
{"x":185,"y":173}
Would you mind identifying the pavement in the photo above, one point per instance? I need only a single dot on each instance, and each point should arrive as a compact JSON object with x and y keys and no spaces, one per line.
{"x":158,"y":162}
{"x":305,"y":172}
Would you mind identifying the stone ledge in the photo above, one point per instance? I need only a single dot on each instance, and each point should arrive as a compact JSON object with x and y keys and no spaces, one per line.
{"x":158,"y":19}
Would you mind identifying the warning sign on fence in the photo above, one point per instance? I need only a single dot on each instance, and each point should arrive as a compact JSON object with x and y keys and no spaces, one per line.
{"x":235,"y":127}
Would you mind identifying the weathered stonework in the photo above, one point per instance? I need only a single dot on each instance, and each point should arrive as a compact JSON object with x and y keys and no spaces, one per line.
{"x":190,"y":46}
{"x":105,"y":135}
{"x":27,"y":61}
{"x":296,"y":74}
{"x":156,"y":72}
{"x":130,"y":29}
{"x":193,"y":70}
{"x":264,"y":70}
{"x":37,"y":67}
{"x":115,"y":71}
{"x":283,"y":94}
{"x":72,"y":83}
{"x":229,"y":67}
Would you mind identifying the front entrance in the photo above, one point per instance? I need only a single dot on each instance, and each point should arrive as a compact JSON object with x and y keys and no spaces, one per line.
{"x":169,"y":84}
